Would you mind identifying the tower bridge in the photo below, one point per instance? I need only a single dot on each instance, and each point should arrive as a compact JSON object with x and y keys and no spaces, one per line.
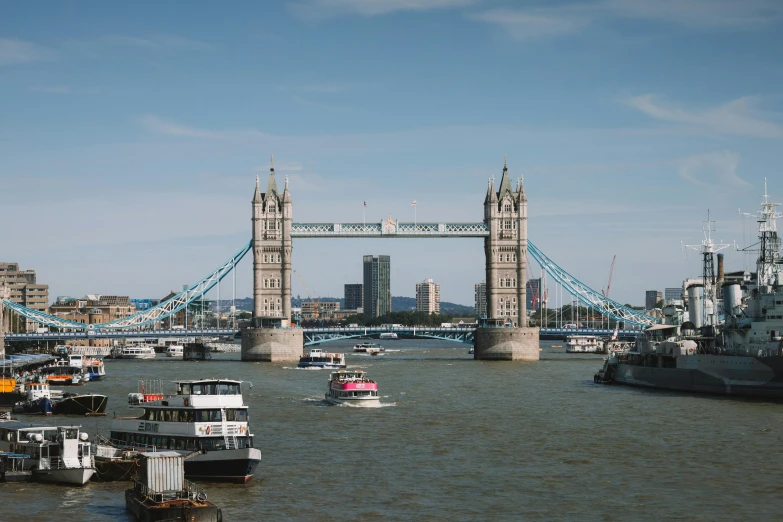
{"x":504,"y":336}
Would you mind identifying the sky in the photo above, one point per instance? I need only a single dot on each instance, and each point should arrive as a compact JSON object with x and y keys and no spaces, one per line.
{"x":131,"y":134}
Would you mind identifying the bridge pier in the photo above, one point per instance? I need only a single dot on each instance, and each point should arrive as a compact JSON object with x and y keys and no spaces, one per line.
{"x":272,"y":344}
{"x":506,"y":344}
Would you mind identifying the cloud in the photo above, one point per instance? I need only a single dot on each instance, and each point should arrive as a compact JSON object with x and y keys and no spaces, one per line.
{"x":569,"y":18}
{"x":712,"y":169}
{"x":531,"y":25}
{"x":319,"y":9}
{"x":738,"y":117}
{"x":169,"y":128}
{"x":14,"y":52}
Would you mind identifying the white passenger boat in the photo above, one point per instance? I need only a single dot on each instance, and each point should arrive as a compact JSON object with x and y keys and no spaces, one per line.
{"x":206,"y":420}
{"x":389,"y":335}
{"x":58,"y":454}
{"x":318,"y":358}
{"x":174,"y":350}
{"x":352,"y":387}
{"x":137,"y":351}
{"x":584,"y":344}
{"x":368,"y":347}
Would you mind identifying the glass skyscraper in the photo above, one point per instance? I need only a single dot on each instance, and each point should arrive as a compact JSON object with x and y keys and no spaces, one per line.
{"x":377,"y":286}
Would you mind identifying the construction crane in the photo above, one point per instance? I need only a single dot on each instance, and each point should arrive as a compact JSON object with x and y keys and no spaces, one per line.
{"x":318,"y":304}
{"x":609,"y":284}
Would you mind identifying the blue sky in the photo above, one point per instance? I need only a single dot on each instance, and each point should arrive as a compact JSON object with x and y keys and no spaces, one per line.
{"x":131,"y":135}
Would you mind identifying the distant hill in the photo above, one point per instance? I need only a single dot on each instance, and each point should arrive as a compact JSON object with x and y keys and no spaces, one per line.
{"x":399,"y":304}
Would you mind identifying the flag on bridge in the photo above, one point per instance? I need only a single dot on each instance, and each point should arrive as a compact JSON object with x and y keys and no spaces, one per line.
{"x":413,"y":203}
{"x":365,"y":203}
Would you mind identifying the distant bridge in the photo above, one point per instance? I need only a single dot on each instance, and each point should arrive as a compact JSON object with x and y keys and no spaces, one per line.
{"x":311,"y":335}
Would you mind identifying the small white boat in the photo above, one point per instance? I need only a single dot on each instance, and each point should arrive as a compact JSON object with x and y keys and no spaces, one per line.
{"x":367,"y":347}
{"x":352,"y":387}
{"x":58,"y":454}
{"x":389,"y":335}
{"x":318,"y":358}
{"x":137,"y":351}
{"x":174,"y":350}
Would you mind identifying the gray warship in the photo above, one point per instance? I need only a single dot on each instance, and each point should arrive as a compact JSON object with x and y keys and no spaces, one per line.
{"x":724,"y":336}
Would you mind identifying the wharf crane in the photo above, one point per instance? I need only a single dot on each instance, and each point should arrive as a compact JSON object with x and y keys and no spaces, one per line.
{"x":609,"y":284}
{"x":317,"y":305}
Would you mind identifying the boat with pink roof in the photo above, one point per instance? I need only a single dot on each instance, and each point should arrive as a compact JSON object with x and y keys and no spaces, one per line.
{"x":352,"y":387}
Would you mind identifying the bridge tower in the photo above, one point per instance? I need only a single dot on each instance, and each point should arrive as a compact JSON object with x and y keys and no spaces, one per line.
{"x":505,"y":336}
{"x":271,"y":337}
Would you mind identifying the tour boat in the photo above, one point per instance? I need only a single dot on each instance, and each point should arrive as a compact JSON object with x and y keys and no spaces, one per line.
{"x":207,"y":421}
{"x":584,"y":344}
{"x":137,"y":351}
{"x":367,"y":347}
{"x":62,"y":375}
{"x":352,"y":387}
{"x":174,"y":350}
{"x":318,"y":358}
{"x":389,"y":335}
{"x":93,"y":369}
{"x":58,"y":454}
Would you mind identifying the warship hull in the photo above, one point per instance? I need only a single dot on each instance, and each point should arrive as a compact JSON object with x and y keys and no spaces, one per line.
{"x":745,"y":376}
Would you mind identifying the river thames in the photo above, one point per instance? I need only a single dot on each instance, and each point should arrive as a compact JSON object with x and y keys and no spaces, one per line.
{"x":460,"y":439}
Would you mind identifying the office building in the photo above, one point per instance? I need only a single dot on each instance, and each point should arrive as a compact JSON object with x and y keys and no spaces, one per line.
{"x":480,"y":295}
{"x":354,"y":296}
{"x":673,"y":293}
{"x":24,"y":290}
{"x":533,"y":295}
{"x":651,"y":298}
{"x":428,"y":297}
{"x":377,"y":286}
{"x":319,"y":310}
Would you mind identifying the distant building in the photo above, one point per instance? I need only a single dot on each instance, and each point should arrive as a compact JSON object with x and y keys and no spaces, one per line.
{"x":377,"y":286}
{"x":93,"y":309}
{"x":354,"y":296}
{"x":672,"y":293}
{"x":325,"y":310}
{"x":24,"y":290}
{"x":651,"y":298}
{"x":428,"y":297}
{"x":533,"y":300}
{"x":480,"y":295}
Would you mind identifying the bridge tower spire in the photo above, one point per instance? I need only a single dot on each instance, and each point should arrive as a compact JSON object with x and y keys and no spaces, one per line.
{"x":505,"y":250}
{"x":270,"y":338}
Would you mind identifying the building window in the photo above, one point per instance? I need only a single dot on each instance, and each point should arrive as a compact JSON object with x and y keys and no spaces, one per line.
{"x":278,"y":258}
{"x":507,"y":225}
{"x":266,"y":259}
{"x":507,"y":207}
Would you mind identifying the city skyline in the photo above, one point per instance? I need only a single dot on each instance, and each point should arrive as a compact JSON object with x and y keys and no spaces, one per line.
{"x":112,"y":116}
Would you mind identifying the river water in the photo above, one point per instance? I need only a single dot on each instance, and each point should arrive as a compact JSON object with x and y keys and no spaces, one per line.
{"x":460,"y":439}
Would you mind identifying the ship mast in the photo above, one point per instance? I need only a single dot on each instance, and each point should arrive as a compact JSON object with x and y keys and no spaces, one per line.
{"x":767,"y":265}
{"x":708,"y":248}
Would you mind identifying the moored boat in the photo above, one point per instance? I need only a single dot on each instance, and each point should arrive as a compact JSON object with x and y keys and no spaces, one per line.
{"x":137,"y":351}
{"x":58,"y":454}
{"x":352,"y":387}
{"x":317,"y":358}
{"x":80,"y":404}
{"x":389,"y":336}
{"x":174,"y":350}
{"x":206,"y":420}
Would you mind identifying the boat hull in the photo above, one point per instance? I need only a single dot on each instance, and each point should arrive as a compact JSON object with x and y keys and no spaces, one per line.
{"x":91,"y":404}
{"x":328,"y":366}
{"x":74,"y":476}
{"x":760,"y":377}
{"x":233,"y":465}
{"x":147,"y":511}
{"x":366,"y":402}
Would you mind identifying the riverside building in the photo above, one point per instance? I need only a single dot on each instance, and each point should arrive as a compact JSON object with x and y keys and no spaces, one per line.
{"x":24,"y":290}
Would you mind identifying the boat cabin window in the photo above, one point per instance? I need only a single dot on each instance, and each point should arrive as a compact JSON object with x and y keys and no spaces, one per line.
{"x":236,"y":415}
{"x":71,"y":433}
{"x":183,"y":390}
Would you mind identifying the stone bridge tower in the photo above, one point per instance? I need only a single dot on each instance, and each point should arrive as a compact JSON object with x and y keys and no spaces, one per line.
{"x":271,"y":337}
{"x":506,"y":335}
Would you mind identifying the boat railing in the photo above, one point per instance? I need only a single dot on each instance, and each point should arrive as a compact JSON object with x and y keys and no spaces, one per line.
{"x":189,"y":491}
